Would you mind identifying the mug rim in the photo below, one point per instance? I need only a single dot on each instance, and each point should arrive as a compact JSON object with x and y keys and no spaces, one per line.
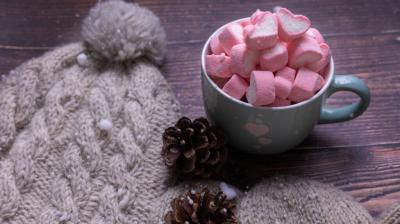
{"x":214,"y":85}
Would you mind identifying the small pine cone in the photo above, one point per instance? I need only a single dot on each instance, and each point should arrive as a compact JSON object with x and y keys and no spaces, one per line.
{"x":201,"y":208}
{"x":194,"y":148}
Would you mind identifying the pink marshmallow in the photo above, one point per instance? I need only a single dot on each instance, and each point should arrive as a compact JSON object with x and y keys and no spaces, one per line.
{"x":236,"y":87}
{"x":324,"y":72}
{"x":257,"y":15}
{"x":262,"y":89}
{"x":305,"y":85}
{"x":314,"y":33}
{"x":303,"y":51}
{"x":326,"y":57}
{"x":279,"y":102}
{"x":246,"y":22}
{"x":320,"y":83}
{"x":231,"y":36}
{"x":247,"y":29}
{"x":291,"y":26}
{"x":215,"y":45}
{"x":265,"y":33}
{"x":286,"y":73}
{"x":243,"y":60}
{"x":218,"y":65}
{"x":282,"y":87}
{"x":274,"y":58}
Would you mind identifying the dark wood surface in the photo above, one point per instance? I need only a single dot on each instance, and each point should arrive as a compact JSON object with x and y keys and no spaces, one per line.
{"x":361,"y":157}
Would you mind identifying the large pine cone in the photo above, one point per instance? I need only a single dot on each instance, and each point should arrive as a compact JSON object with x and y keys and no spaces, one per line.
{"x":201,"y":208}
{"x":194,"y":148}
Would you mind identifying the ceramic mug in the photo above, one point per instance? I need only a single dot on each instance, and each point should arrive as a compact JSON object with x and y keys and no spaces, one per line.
{"x":266,"y":130}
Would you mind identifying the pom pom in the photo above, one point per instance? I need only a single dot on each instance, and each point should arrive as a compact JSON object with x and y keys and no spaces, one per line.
{"x":81,"y":59}
{"x":120,"y":31}
{"x":105,"y":124}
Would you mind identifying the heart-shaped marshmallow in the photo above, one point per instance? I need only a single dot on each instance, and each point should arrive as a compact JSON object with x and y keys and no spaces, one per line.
{"x":264,"y":34}
{"x":291,"y":26}
{"x":326,"y":57}
{"x":303,"y":51}
{"x":257,"y":15}
{"x":314,"y":33}
{"x":274,"y":58}
{"x":246,"y":22}
{"x":247,"y":30}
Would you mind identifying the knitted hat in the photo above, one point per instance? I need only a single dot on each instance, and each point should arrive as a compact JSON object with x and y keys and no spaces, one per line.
{"x":80,"y":127}
{"x":297,"y":200}
{"x":80,"y":137}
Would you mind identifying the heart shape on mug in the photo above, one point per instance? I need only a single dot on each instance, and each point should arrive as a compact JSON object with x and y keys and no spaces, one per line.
{"x":264,"y":141}
{"x":256,"y":129}
{"x":291,"y":26}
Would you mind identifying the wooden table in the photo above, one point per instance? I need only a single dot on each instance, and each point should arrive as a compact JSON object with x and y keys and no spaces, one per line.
{"x":361,"y":157}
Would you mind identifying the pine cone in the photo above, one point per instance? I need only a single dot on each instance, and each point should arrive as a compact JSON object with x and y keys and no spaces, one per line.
{"x":194,"y":148}
{"x":201,"y":208}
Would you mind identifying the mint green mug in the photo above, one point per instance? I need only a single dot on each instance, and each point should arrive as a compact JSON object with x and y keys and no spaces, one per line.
{"x":264,"y":130}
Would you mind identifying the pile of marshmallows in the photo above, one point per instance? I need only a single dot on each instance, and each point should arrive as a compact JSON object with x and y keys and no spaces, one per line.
{"x":269,"y":59}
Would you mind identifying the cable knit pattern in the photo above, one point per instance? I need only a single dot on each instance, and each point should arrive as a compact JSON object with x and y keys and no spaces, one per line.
{"x":80,"y":143}
{"x":57,"y":165}
{"x":392,"y":216}
{"x":23,"y":91}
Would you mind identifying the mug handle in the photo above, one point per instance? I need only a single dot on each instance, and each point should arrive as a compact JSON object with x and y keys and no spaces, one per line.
{"x":346,"y":83}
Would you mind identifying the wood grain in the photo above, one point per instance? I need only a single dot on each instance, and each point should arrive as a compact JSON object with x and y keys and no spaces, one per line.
{"x":361,"y":157}
{"x":333,"y":18}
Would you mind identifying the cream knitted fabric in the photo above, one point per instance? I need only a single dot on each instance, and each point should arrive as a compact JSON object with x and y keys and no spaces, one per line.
{"x":297,"y":200}
{"x":392,"y":216}
{"x":80,"y":137}
{"x":59,"y":163}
